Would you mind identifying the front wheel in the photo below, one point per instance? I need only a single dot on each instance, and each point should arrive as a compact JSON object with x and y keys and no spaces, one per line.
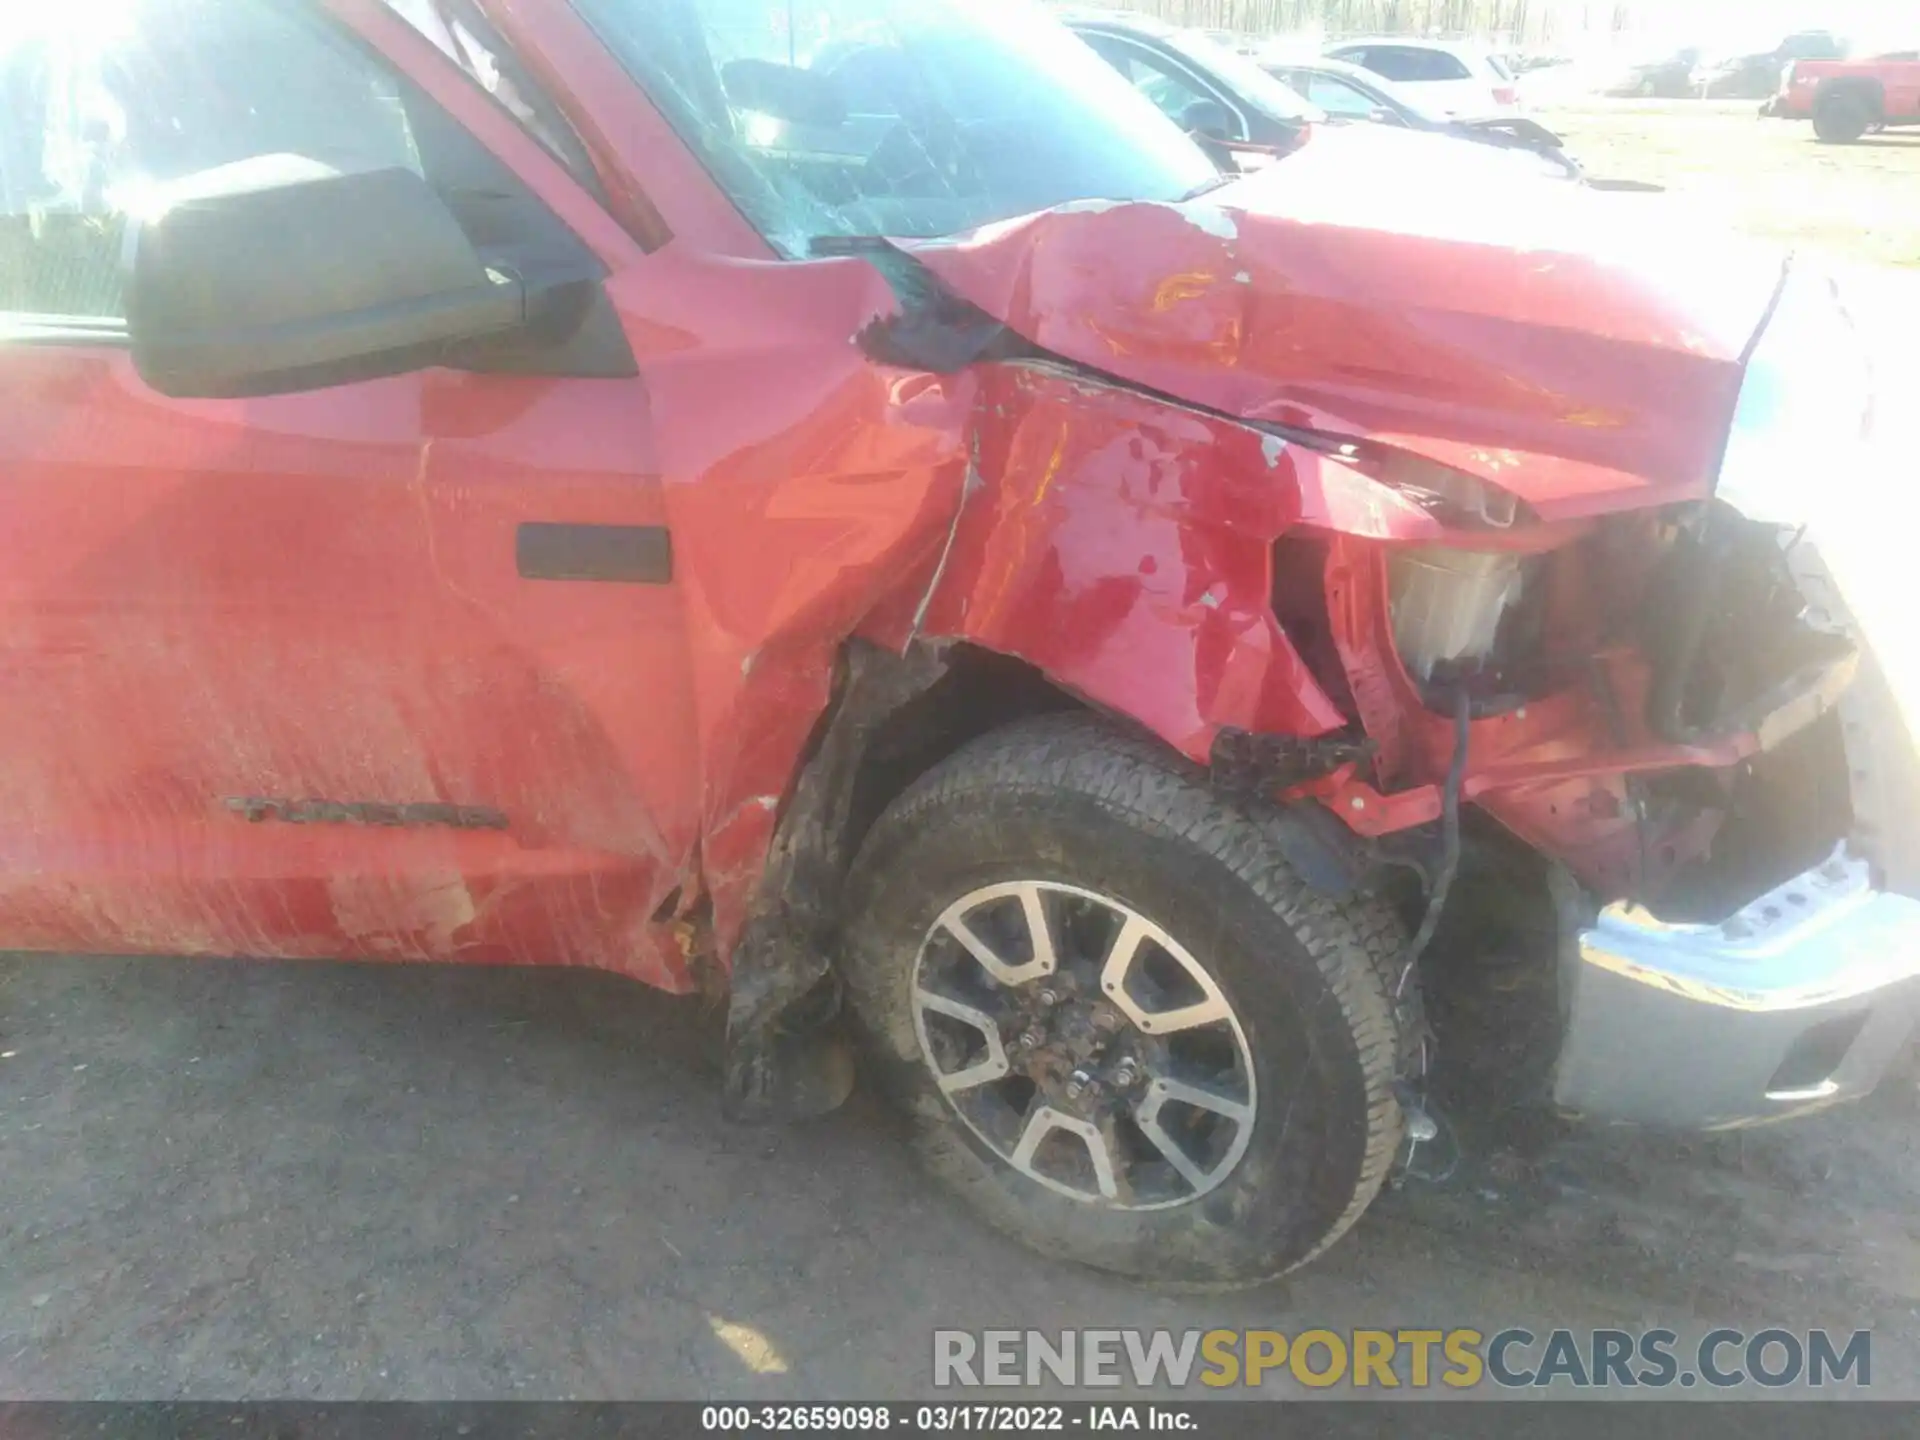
{"x":1122,"y":1027}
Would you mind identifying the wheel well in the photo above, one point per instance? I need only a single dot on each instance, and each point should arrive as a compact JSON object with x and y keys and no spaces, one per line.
{"x":894,"y":717}
{"x":1491,"y":981}
{"x":978,"y":692}
{"x":1856,"y":88}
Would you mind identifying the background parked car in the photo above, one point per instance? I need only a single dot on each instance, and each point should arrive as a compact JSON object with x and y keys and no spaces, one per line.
{"x":1205,"y":88}
{"x":1758,"y":74}
{"x":1664,"y":77}
{"x":1463,"y":81}
{"x":1350,"y":93}
{"x":1812,"y":45}
{"x":1526,"y":62}
{"x":1737,"y":77}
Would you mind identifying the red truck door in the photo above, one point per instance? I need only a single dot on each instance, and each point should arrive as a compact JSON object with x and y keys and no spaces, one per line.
{"x":391,"y":669}
{"x":1903,"y":90}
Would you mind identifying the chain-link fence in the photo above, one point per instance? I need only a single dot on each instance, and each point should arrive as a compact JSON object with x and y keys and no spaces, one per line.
{"x":1518,"y":22}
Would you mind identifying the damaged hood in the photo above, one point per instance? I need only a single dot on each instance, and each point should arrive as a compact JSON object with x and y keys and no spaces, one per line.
{"x":1581,"y":350}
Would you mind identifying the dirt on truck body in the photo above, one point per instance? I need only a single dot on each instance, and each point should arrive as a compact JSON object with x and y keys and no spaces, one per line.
{"x":883,"y":528}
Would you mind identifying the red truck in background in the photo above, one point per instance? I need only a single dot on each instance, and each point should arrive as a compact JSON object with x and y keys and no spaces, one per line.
{"x":840,"y":504}
{"x":1846,"y":99}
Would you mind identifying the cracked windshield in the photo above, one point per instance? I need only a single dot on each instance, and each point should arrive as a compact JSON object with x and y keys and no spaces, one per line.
{"x":836,"y":118}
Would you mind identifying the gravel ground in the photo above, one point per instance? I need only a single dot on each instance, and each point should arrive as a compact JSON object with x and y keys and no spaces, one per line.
{"x":1767,"y":177}
{"x":224,"y":1180}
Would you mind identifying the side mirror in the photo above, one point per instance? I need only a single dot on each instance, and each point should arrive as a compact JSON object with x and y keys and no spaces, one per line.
{"x":279,"y":273}
{"x":1380,"y":115}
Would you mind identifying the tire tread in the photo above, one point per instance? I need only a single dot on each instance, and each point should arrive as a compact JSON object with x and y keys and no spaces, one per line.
{"x":1357,"y":941}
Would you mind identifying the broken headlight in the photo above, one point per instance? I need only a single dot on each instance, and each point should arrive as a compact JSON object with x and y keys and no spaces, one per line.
{"x":1448,"y":604}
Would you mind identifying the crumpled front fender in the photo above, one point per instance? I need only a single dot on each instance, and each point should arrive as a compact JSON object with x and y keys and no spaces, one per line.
{"x":1123,"y":546}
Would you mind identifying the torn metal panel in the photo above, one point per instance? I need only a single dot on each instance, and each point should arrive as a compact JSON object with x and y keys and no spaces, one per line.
{"x":782,"y":1059}
{"x":1123,"y":547}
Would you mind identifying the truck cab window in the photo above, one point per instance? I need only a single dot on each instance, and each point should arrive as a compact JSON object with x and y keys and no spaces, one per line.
{"x":835,"y":118}
{"x":101,"y":117}
{"x":465,"y":36}
{"x":107,"y":105}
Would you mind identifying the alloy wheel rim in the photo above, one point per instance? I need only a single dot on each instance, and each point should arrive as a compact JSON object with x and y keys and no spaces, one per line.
{"x":1084,"y":1045}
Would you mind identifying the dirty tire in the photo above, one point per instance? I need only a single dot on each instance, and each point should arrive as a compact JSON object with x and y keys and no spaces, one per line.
{"x":1840,"y":119}
{"x":1069,"y":800}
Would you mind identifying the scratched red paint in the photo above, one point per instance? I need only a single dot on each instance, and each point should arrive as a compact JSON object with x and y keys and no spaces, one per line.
{"x":314,"y":595}
{"x":1125,"y":547}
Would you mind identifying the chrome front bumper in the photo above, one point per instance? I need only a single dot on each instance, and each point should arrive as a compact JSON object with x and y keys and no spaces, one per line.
{"x":1800,"y":1000}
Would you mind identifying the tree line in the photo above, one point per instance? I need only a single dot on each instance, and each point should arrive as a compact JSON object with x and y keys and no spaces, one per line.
{"x":1518,"y":21}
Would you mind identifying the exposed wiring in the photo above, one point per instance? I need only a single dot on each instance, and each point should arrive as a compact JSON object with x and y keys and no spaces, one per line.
{"x":1449,"y":839}
{"x":1434,"y":1126}
{"x":1425,"y":1126}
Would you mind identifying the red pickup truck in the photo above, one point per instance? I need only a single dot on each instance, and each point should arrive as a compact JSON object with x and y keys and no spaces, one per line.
{"x":1847,"y":98}
{"x":839,"y":504}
